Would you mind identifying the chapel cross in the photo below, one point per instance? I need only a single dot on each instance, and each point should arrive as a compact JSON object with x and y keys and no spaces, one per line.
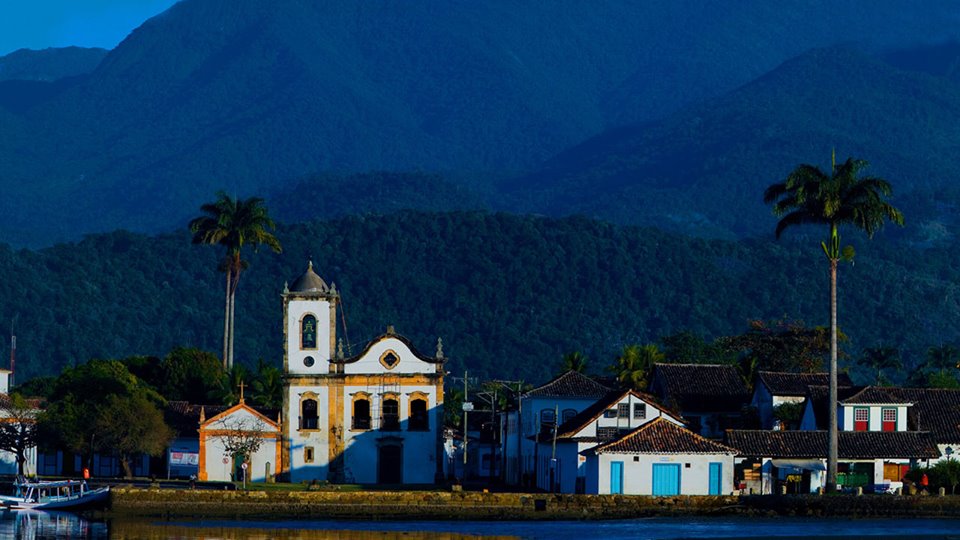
{"x":241,"y":385}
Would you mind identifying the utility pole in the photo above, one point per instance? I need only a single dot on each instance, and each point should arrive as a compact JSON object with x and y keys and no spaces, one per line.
{"x":466,"y":430}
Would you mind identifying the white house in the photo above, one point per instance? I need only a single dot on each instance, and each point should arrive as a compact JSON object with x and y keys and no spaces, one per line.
{"x":561,"y":463}
{"x":556,"y":401}
{"x":660,"y":458}
{"x":877,"y":446}
{"x":239,"y":430}
{"x":796,"y":460}
{"x":375,"y":417}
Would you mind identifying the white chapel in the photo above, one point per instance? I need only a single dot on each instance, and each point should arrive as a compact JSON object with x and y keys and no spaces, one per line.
{"x":372,"y":418}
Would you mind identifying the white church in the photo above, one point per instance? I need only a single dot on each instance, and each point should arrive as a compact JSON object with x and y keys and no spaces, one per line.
{"x":374,"y":417}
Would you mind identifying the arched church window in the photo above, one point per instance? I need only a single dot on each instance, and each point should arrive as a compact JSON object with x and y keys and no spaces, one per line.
{"x":361,"y":413}
{"x":308,"y":332}
{"x":390,"y":421}
{"x":309,"y":419}
{"x":548,"y":417}
{"x":419,"y":421}
{"x":568,"y":414}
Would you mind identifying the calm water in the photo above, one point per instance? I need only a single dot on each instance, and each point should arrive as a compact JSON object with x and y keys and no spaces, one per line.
{"x":63,"y":526}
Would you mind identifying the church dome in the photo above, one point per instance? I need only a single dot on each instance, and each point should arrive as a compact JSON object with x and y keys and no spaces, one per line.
{"x":309,"y":282}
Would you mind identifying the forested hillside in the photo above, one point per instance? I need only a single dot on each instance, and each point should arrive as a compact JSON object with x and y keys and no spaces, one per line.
{"x":49,"y":64}
{"x":701,"y":171}
{"x":508,"y":294}
{"x":247,"y":95}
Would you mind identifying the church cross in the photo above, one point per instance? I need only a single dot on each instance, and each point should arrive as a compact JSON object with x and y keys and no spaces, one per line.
{"x":241,"y":385}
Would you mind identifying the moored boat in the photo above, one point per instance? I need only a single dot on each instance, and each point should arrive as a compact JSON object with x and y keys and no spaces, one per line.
{"x":54,"y":495}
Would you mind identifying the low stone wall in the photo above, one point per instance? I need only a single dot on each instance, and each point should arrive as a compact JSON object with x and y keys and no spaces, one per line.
{"x":518,"y":506}
{"x":404,"y":505}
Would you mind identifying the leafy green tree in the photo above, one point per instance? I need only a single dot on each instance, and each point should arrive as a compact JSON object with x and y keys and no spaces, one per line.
{"x":146,"y":368}
{"x":233,"y":224}
{"x":190,"y":375}
{"x":943,"y":357}
{"x":841,"y":198}
{"x":41,"y":387}
{"x":18,"y":430}
{"x":453,"y":408}
{"x":128,"y":425}
{"x":789,"y":414}
{"x":690,"y":348}
{"x":229,"y":391}
{"x":73,"y":421}
{"x":634,"y":364}
{"x":268,"y":386}
{"x":779,"y":345}
{"x":880,"y":359}
{"x":574,"y":361}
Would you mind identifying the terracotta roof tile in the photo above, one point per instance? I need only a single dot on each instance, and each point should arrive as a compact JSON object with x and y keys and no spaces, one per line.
{"x":852,"y":444}
{"x":934,"y":409}
{"x":873,"y":395}
{"x":700,"y":387}
{"x":795,"y":384}
{"x":570,"y":384}
{"x":661,"y":436}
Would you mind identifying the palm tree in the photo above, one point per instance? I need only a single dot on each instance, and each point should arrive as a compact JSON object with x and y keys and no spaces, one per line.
{"x":634,"y":363}
{"x":881,"y":358}
{"x":575,"y":361}
{"x":811,"y":196}
{"x":943,"y":357}
{"x":233,"y":224}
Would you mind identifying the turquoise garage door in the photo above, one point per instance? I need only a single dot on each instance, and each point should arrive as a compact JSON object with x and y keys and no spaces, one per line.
{"x":666,"y":479}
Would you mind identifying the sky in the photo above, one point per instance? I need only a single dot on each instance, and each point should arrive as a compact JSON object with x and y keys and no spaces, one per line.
{"x":38,"y":24}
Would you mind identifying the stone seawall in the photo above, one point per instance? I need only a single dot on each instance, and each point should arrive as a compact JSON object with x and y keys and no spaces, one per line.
{"x":482,"y":506}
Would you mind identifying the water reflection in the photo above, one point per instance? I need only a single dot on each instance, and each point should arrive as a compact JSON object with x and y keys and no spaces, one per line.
{"x":41,"y":526}
{"x":130,"y":530}
{"x":48,"y":525}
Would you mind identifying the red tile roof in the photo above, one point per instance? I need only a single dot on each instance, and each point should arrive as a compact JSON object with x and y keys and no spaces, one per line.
{"x":936,"y":410}
{"x":700,"y":387}
{"x":852,"y":444}
{"x":660,"y":436}
{"x":795,"y":384}
{"x":570,"y":384}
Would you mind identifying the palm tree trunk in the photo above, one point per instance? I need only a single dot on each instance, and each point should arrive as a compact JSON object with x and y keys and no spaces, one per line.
{"x":832,"y":441}
{"x":233,"y":296}
{"x":226,"y":320}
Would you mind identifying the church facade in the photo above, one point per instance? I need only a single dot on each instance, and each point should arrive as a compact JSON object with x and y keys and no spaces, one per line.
{"x":371,"y":418}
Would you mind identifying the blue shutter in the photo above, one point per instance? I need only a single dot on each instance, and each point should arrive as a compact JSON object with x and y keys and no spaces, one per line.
{"x":616,"y":477}
{"x":715,"y":475}
{"x":666,"y":479}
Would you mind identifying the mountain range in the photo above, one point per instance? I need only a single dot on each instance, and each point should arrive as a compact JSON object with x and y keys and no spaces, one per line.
{"x":253,"y":97}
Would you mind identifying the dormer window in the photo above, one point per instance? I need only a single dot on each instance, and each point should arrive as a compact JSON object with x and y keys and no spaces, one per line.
{"x":861,"y":419}
{"x":308,"y":332}
{"x":889,"y":419}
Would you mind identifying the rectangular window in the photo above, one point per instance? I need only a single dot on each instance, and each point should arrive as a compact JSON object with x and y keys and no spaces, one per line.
{"x":623,"y":410}
{"x":889,"y":419}
{"x":607,"y":433}
{"x":308,"y":454}
{"x":610,"y":413}
{"x":639,"y":411}
{"x":861,"y":419}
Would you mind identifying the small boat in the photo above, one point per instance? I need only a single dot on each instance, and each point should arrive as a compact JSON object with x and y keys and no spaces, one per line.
{"x":54,"y":495}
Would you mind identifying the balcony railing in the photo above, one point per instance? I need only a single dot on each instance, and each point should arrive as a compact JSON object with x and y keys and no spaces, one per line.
{"x":361,"y":422}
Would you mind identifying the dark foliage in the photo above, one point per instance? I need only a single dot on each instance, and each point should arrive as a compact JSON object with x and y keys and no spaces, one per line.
{"x":509,"y":295}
